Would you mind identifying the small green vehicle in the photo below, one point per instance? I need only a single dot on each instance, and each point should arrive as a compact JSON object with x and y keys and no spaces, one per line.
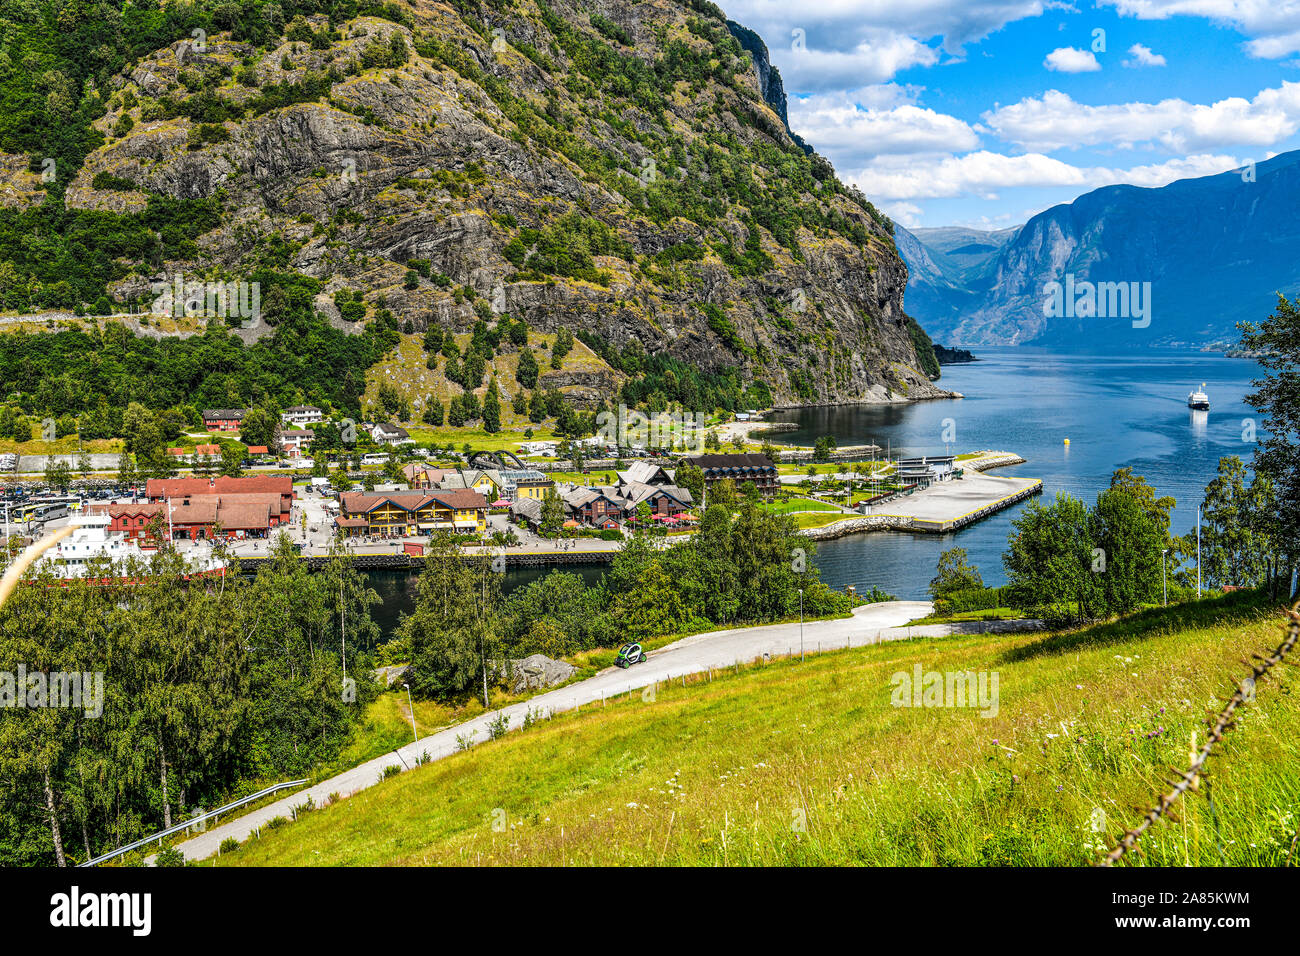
{"x":630,"y":654}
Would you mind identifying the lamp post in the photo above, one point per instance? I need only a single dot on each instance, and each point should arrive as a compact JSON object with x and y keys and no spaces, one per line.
{"x":1164,"y":581}
{"x":801,"y":624}
{"x":1198,"y":552}
{"x":415,"y":734}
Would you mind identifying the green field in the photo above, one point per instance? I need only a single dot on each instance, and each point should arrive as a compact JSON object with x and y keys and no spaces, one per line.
{"x":791,"y":763}
{"x":799,"y":504}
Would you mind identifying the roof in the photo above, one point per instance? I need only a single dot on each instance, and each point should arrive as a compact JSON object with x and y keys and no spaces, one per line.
{"x":243,"y":515}
{"x":303,"y":408}
{"x":223,"y":413}
{"x":529,"y":508}
{"x":257,"y":449}
{"x":731,"y":461}
{"x":356,"y":502}
{"x":207,"y":449}
{"x":645,"y":472}
{"x":249,"y":484}
{"x":638,"y":493}
{"x":303,"y":433}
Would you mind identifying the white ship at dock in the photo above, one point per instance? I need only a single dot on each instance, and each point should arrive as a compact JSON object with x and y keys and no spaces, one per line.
{"x":84,"y":552}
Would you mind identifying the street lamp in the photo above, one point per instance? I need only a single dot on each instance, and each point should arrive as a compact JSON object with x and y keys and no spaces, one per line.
{"x":801,"y":625}
{"x":414,"y":733}
{"x":1164,"y":581}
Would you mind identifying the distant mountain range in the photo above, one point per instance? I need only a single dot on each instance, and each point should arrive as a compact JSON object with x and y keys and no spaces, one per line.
{"x":1215,"y":250}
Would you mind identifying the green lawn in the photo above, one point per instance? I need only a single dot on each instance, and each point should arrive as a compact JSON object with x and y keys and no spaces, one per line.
{"x":799,"y":504}
{"x":809,"y":764}
{"x":791,"y":764}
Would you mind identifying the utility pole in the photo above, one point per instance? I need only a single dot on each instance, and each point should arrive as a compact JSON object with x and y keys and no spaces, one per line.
{"x":414,"y":733}
{"x":801,"y":625}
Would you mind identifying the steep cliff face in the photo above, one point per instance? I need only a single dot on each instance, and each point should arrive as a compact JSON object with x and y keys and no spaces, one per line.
{"x":613,"y":170}
{"x":1202,"y":254}
{"x":770,"y":84}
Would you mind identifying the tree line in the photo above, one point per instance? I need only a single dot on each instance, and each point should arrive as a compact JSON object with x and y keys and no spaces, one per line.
{"x":211,"y":689}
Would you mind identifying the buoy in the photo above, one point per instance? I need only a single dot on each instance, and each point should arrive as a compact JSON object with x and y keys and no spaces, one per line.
{"x":1067,"y":441}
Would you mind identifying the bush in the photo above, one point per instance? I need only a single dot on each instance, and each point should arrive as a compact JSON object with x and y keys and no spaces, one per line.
{"x":970,"y":599}
{"x":169,"y":857}
{"x":229,"y":844}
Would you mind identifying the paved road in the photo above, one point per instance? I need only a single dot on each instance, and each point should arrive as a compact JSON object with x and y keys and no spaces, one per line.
{"x":870,"y":624}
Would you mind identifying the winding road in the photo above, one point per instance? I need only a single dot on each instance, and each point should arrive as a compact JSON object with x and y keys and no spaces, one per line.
{"x":869,"y":624}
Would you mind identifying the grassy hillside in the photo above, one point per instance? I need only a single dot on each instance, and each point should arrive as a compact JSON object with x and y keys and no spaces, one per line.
{"x":405,"y":369}
{"x":724,"y":771}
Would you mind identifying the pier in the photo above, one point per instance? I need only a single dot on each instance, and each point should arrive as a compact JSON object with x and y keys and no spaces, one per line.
{"x":943,"y":507}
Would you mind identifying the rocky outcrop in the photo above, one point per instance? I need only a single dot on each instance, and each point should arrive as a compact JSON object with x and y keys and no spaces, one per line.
{"x":491,"y":157}
{"x":535,"y":672}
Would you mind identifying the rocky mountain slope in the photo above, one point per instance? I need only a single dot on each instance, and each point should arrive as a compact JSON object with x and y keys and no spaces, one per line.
{"x":1216,"y":250}
{"x":609,"y":168}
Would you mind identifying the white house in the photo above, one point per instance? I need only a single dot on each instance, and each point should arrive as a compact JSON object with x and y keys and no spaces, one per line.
{"x":390,"y":435}
{"x":302,"y":415}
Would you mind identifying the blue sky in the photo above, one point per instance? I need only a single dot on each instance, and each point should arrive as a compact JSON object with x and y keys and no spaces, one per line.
{"x":985,"y":112}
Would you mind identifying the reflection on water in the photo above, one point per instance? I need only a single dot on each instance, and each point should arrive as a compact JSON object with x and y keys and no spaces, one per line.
{"x":397,"y":589}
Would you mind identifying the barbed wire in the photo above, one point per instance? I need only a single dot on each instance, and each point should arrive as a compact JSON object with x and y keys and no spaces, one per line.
{"x":1219,"y":726}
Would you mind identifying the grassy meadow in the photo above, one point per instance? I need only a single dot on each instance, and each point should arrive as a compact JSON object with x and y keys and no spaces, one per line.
{"x":810,"y":764}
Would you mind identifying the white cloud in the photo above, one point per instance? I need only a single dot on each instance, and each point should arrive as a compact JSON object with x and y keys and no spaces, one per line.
{"x":1142,"y":56}
{"x":1055,"y":121}
{"x":985,"y":174}
{"x":1067,"y":59}
{"x":1273,"y":25}
{"x":845,"y":127}
{"x":906,"y":213}
{"x":877,"y":57}
{"x":851,"y":42}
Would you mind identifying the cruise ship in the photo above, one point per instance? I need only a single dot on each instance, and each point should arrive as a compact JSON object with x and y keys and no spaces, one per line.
{"x":89,"y":543}
{"x":1198,"y":399}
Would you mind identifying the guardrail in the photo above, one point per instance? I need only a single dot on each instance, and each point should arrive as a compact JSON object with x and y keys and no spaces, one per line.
{"x":193,"y":821}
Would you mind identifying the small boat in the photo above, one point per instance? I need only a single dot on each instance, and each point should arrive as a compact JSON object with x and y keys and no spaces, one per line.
{"x":84,"y":550}
{"x":1198,"y":399}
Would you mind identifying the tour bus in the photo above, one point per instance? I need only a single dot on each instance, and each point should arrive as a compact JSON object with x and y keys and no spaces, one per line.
{"x":374,"y":459}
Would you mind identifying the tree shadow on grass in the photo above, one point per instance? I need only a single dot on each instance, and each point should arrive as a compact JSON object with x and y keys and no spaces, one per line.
{"x":1223,"y":609}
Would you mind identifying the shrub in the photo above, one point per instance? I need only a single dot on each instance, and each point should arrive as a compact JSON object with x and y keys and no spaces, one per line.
{"x":169,"y":857}
{"x":229,"y":844}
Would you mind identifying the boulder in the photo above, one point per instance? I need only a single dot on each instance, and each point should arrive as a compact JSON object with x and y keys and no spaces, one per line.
{"x":536,"y":671}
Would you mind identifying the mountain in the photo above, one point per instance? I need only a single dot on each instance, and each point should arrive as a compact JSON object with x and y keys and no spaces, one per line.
{"x":1215,"y":250}
{"x":617,"y":170}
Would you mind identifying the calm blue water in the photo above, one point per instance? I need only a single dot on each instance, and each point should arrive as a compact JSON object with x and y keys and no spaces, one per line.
{"x":1116,"y":410}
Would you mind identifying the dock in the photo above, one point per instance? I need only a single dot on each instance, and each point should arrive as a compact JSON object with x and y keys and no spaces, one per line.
{"x":943,"y":507}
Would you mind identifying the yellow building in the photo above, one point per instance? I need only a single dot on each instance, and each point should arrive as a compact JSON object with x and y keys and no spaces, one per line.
{"x":463,"y":511}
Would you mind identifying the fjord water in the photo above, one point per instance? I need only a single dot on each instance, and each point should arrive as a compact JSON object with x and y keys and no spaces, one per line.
{"x":1117,"y":410}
